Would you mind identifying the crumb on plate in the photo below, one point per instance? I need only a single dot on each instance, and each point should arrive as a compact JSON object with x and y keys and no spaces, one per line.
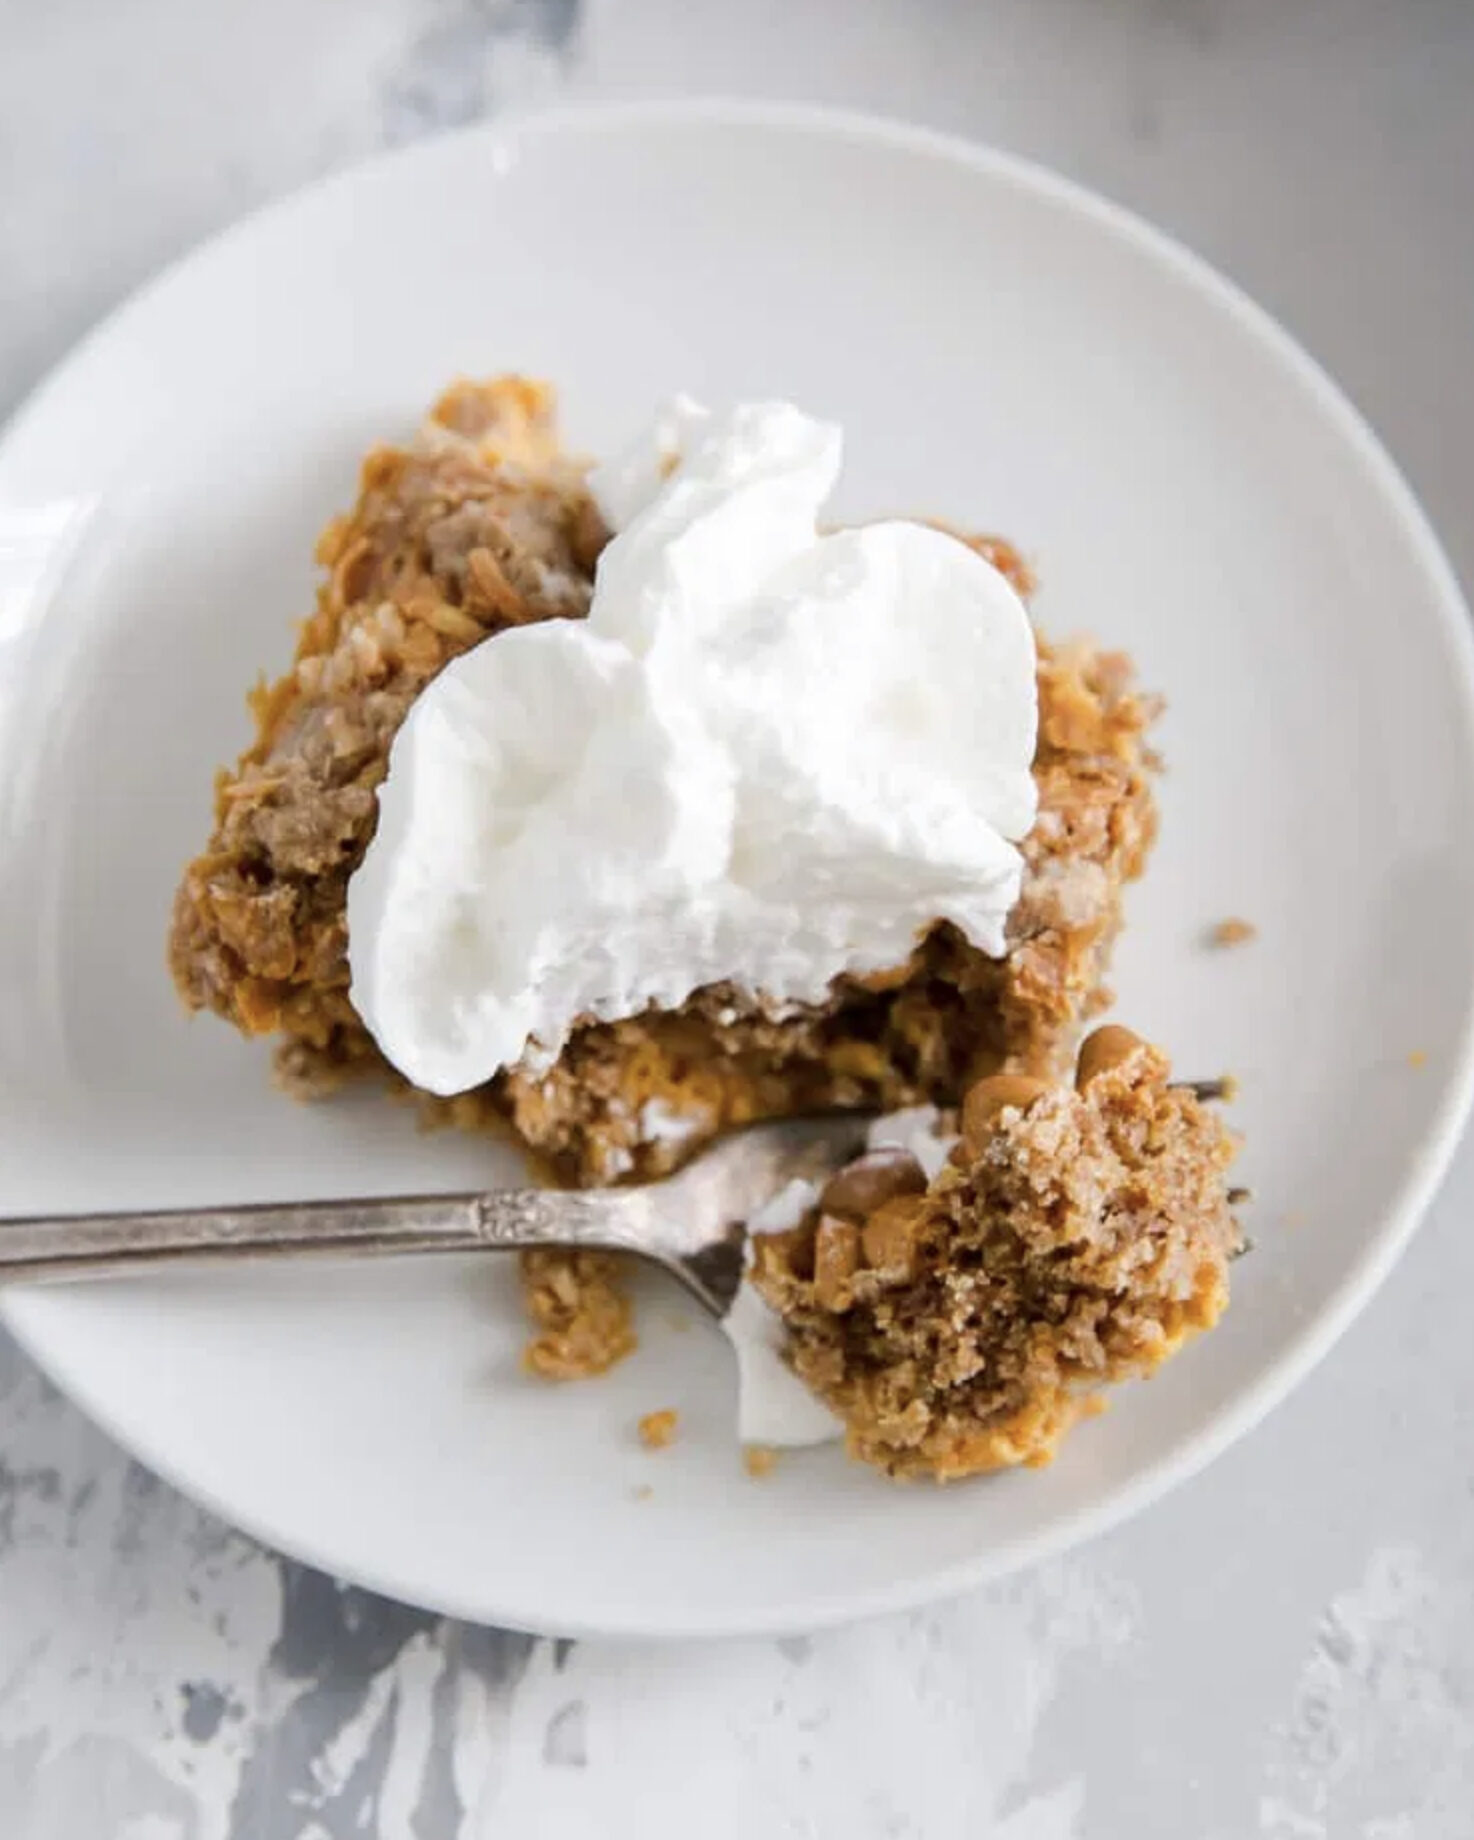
{"x":581,"y":1316}
{"x":1232,"y":932}
{"x":658,"y":1429}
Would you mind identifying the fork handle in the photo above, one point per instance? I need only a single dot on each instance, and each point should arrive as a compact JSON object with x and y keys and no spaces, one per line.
{"x":81,"y":1245}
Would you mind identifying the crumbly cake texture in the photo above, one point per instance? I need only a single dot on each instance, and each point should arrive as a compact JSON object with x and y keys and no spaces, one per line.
{"x":1078,"y":1236}
{"x":581,"y":1318}
{"x":483,"y":523}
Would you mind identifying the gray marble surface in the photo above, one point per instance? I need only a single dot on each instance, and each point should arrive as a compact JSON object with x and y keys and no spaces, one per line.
{"x":1285,"y":1648}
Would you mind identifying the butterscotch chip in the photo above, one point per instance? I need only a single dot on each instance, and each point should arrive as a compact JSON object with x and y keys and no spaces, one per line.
{"x":1102,"y":1050}
{"x":878,"y":1176}
{"x":836,"y":1259}
{"x":759,"y":1460}
{"x":658,"y":1429}
{"x":888,"y":1239}
{"x":987,"y":1099}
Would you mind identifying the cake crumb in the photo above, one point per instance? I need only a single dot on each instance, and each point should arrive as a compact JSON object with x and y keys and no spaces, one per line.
{"x":1418,"y":1058}
{"x":658,"y":1429}
{"x":1232,"y":932}
{"x":642,"y":1492}
{"x":581,"y":1315}
{"x":759,"y":1460}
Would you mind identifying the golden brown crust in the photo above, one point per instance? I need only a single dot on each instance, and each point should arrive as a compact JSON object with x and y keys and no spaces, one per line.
{"x":1084,"y":1234}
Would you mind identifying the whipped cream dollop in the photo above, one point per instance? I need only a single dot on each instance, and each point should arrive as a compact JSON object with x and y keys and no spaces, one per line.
{"x":768,"y":756}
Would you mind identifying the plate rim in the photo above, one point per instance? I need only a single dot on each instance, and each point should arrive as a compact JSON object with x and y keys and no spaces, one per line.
{"x":1191,"y":1452}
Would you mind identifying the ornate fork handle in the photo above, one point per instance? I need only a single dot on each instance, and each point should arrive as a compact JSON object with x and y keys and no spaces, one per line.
{"x":78,"y":1244}
{"x":691,"y":1223}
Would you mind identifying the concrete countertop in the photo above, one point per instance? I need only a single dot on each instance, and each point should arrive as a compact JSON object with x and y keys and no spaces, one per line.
{"x":1282,"y":1650}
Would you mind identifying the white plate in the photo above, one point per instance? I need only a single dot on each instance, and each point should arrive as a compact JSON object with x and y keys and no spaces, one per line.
{"x":1004,"y":350}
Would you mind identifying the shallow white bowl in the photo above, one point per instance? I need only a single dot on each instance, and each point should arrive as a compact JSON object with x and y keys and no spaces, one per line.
{"x":1005,"y":350}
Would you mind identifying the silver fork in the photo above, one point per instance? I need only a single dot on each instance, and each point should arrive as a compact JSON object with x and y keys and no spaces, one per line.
{"x":693,"y":1223}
